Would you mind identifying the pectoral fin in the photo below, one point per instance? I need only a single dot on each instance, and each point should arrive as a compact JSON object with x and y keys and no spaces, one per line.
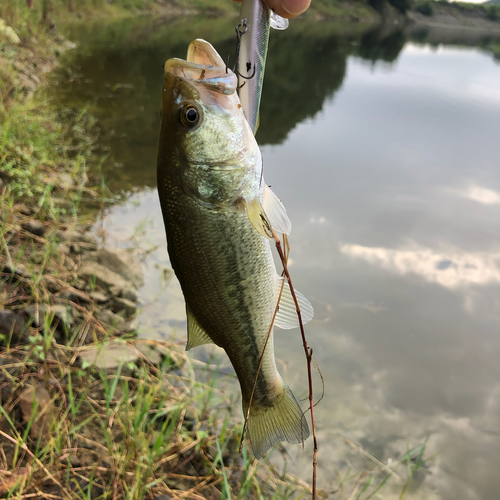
{"x":196,"y":334}
{"x":286,"y":316}
{"x":276,"y":212}
{"x":258,"y":217}
{"x":269,"y":214}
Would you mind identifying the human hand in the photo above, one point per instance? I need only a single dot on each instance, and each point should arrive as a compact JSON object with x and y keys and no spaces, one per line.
{"x":287,"y":8}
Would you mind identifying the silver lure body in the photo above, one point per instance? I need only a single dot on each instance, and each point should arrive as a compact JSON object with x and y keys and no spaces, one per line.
{"x":256,"y":21}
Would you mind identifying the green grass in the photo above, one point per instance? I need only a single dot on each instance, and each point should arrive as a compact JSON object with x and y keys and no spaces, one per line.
{"x":424,"y":8}
{"x":46,"y":12}
{"x":39,"y":143}
{"x":344,"y":10}
{"x":490,"y":11}
{"x":131,"y":432}
{"x":487,"y":10}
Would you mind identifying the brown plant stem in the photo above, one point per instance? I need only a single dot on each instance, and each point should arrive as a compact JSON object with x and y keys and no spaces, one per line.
{"x":308,"y":352}
{"x":307,"y":349}
{"x":247,"y":414}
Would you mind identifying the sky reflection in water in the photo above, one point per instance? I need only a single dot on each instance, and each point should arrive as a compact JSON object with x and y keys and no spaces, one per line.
{"x":394,"y":196}
{"x":396,"y":224}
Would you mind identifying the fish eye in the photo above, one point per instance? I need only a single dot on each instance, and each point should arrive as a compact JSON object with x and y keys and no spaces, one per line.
{"x":189,"y":115}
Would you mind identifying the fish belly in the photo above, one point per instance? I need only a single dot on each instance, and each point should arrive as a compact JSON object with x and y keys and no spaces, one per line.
{"x":229,"y":281}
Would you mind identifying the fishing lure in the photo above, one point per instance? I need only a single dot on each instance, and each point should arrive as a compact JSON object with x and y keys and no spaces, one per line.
{"x":251,"y":52}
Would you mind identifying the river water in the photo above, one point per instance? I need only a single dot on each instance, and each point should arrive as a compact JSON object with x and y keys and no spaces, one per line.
{"x":385,"y":148}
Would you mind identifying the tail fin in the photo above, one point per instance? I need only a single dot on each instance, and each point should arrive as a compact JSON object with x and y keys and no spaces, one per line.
{"x":282,"y":422}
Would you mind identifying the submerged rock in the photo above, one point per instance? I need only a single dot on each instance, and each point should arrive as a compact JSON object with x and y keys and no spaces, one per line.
{"x":98,"y":297}
{"x":75,"y":236}
{"x":74,"y":295}
{"x":103,"y":277}
{"x":16,"y":479}
{"x":149,"y":352}
{"x":42,"y":313}
{"x":24,"y":209}
{"x":118,"y":274}
{"x":109,"y":356}
{"x":122,"y":305}
{"x":17,"y":270}
{"x":10,"y":365}
{"x":123,"y":263}
{"x":125,"y":292}
{"x":74,"y":460}
{"x":109,"y":318}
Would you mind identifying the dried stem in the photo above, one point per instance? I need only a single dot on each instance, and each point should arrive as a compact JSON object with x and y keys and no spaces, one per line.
{"x":245,"y":424}
{"x":308,"y":352}
{"x":307,"y":349}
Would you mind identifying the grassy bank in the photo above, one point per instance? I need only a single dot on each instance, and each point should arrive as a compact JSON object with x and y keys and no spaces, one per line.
{"x":87,"y":411}
{"x":47,"y":12}
{"x":50,"y":11}
{"x":470,"y":15}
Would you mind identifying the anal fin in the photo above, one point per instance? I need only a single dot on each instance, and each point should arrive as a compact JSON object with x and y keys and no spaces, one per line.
{"x":196,"y":334}
{"x":286,"y":317}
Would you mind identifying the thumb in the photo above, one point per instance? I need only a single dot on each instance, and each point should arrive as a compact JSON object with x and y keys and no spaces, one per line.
{"x":288,"y":8}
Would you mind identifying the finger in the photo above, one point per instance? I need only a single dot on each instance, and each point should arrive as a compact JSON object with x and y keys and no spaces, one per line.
{"x":287,"y":8}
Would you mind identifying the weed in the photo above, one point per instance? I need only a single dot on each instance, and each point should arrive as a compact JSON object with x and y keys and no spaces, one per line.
{"x":133,"y":430}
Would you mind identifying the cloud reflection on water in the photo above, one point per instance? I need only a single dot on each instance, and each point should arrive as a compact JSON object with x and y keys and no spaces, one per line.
{"x":449,"y":268}
{"x":479,"y":194}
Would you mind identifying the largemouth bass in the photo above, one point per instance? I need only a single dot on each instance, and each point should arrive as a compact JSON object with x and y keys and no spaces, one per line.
{"x":218,"y":215}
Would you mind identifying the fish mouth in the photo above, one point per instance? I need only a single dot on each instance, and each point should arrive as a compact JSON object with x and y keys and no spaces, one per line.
{"x":202,"y":52}
{"x":203,"y":66}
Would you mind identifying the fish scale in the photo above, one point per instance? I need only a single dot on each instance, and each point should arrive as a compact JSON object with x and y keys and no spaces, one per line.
{"x":240,"y":281}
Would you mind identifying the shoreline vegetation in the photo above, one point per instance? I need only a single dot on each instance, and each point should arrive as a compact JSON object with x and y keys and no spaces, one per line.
{"x":79,"y":420}
{"x":87,"y":410}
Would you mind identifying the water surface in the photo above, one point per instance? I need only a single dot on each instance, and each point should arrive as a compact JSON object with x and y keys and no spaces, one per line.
{"x":384,"y":147}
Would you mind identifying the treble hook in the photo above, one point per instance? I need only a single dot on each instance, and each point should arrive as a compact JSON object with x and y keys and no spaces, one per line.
{"x":241,"y":29}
